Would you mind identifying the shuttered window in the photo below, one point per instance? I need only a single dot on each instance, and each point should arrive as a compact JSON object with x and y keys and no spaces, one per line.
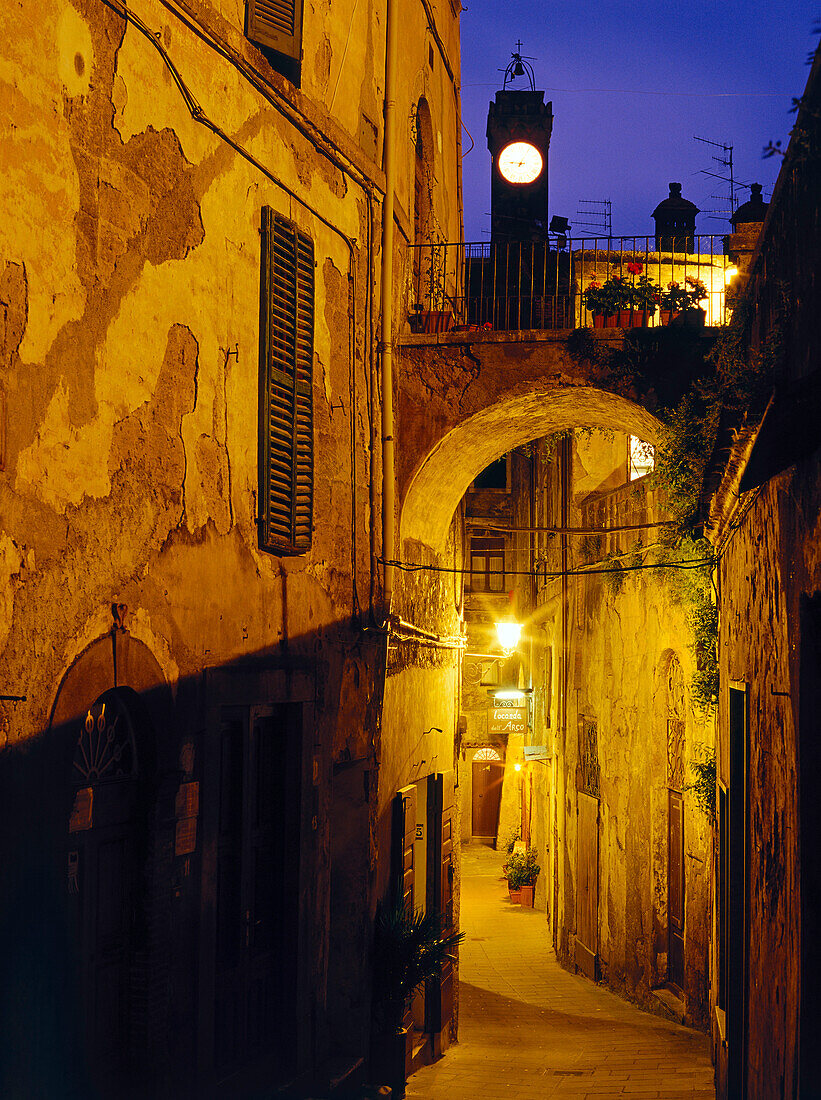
{"x":286,"y":466}
{"x":276,"y":24}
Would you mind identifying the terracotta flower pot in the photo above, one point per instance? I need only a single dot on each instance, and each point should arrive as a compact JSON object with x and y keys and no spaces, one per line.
{"x":667,"y":316}
{"x":605,"y":320}
{"x":515,"y":896}
{"x":527,"y":896}
{"x":633,"y":318}
{"x":435,"y":320}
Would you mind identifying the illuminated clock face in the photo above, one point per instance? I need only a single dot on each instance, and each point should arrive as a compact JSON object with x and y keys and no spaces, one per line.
{"x":520,"y":162}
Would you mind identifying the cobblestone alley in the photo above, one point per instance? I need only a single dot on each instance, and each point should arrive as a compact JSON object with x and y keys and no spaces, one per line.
{"x":530,"y":1029}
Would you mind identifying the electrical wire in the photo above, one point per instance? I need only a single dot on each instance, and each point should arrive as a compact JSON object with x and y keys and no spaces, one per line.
{"x":411,"y":567}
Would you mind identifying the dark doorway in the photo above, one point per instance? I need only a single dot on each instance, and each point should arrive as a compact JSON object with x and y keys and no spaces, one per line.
{"x":257,"y":879}
{"x":105,"y":849}
{"x":486,"y":777}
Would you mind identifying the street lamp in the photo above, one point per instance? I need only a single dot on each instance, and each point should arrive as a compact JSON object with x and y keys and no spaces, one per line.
{"x":508,"y":631}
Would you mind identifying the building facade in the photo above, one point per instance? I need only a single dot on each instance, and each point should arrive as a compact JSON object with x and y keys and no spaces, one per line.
{"x":206,"y":714}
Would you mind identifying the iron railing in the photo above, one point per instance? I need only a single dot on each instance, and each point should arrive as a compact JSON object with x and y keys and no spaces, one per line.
{"x":536,"y":285}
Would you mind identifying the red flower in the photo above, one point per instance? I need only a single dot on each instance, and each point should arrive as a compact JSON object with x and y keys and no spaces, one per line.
{"x":594,"y":285}
{"x":635,"y":268}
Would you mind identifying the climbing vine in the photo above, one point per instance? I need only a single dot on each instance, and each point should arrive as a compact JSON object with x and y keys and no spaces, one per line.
{"x":703,"y":785}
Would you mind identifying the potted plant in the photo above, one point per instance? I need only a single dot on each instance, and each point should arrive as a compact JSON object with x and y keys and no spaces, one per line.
{"x":409,"y":949}
{"x":680,"y":302}
{"x":514,"y":870}
{"x":435,"y":314}
{"x":529,"y":873}
{"x":606,"y":300}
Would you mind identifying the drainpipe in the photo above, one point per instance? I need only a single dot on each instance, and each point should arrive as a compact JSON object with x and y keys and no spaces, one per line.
{"x":388,"y":454}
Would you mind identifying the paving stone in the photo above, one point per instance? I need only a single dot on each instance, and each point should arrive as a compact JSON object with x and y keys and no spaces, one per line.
{"x":528,"y":1028}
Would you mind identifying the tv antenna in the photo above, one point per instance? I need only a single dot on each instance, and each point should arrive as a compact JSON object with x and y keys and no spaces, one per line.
{"x":725,"y":160}
{"x":598,"y":215}
{"x":519,"y":66}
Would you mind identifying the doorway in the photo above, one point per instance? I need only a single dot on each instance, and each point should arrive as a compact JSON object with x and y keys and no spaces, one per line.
{"x":105,"y":842}
{"x":487,"y":774}
{"x":675,"y":825}
{"x":257,"y":874}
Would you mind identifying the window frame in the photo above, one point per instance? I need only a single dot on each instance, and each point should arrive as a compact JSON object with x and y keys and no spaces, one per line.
{"x":487,"y":572}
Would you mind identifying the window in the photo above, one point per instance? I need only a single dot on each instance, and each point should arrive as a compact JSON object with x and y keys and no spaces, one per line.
{"x":276,"y":25}
{"x":487,"y":564}
{"x":286,"y":444}
{"x":641,"y":457}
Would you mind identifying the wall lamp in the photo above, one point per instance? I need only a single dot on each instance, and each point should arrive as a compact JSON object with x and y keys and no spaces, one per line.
{"x":509,"y":632}
{"x":433,"y":729}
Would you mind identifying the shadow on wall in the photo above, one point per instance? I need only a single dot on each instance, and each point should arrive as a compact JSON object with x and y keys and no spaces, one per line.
{"x":166,"y":878}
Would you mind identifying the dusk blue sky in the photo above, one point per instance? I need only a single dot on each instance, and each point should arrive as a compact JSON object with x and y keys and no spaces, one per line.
{"x":631,"y":84}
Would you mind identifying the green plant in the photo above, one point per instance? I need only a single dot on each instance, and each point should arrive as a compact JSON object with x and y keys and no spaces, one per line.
{"x":608,"y":297}
{"x":409,"y":949}
{"x":645,"y":295}
{"x":521,"y":869}
{"x":678,"y":298}
{"x":703,"y":786}
{"x":510,"y":842}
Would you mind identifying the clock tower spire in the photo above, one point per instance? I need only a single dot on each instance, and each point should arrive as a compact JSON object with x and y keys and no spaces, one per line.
{"x":519,"y":124}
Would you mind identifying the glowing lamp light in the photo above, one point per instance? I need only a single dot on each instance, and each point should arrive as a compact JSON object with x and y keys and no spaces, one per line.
{"x":517,"y":767}
{"x":508,"y":632}
{"x":729,"y":274}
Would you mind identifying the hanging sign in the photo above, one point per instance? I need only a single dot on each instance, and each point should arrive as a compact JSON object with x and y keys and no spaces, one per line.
{"x":536,"y":752}
{"x":507,"y":720}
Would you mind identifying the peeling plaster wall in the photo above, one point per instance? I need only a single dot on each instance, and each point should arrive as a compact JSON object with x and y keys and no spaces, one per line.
{"x":129,"y":343}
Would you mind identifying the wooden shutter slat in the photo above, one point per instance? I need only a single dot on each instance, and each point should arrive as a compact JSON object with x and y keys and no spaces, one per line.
{"x":276,"y":24}
{"x":286,"y":381}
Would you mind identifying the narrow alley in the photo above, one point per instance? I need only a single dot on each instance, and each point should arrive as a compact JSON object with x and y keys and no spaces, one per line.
{"x":527,"y":1027}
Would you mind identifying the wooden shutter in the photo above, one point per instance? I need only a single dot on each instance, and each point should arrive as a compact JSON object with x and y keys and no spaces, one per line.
{"x":286,"y":387}
{"x":441,"y":827}
{"x":276,"y":24}
{"x":587,"y":886}
{"x":404,"y":835}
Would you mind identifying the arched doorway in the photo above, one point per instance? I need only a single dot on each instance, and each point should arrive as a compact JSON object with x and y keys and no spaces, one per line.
{"x":675,"y":823}
{"x":105,"y":837}
{"x":487,"y":773}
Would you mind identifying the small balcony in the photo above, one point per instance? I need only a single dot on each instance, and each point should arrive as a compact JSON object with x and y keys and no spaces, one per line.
{"x":535,"y":285}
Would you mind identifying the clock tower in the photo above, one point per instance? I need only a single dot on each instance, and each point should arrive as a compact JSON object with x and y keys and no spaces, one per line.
{"x":519,"y":124}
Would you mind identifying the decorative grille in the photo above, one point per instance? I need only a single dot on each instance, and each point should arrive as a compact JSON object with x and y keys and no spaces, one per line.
{"x":589,"y":757}
{"x":286,"y":386}
{"x":105,"y":748}
{"x":675,"y":725}
{"x":486,"y":754}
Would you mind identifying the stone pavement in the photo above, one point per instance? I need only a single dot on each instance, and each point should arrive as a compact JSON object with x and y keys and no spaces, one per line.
{"x":527,"y":1028}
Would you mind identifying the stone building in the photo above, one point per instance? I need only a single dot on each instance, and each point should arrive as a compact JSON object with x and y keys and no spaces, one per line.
{"x":762,"y":515}
{"x":206,"y":715}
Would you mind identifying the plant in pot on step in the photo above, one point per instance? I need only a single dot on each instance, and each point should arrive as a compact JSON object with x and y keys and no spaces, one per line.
{"x":409,"y":949}
{"x":529,"y":873}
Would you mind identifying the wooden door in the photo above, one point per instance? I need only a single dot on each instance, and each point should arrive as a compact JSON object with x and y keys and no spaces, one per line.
{"x":255,"y":863}
{"x":104,"y":834}
{"x":441,"y":826}
{"x":402,"y":874}
{"x":675,"y":889}
{"x":587,"y":886}
{"x":487,"y":776}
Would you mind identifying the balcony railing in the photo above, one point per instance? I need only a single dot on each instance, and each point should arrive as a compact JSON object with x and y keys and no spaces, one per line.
{"x":535,"y":285}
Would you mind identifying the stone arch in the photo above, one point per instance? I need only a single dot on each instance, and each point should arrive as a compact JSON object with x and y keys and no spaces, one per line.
{"x":441,"y":479}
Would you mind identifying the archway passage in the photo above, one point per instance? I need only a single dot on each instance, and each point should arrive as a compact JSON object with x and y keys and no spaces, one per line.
{"x":445,"y":471}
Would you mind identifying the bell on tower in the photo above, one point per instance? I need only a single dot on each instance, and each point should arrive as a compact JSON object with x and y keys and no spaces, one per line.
{"x":519,"y":124}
